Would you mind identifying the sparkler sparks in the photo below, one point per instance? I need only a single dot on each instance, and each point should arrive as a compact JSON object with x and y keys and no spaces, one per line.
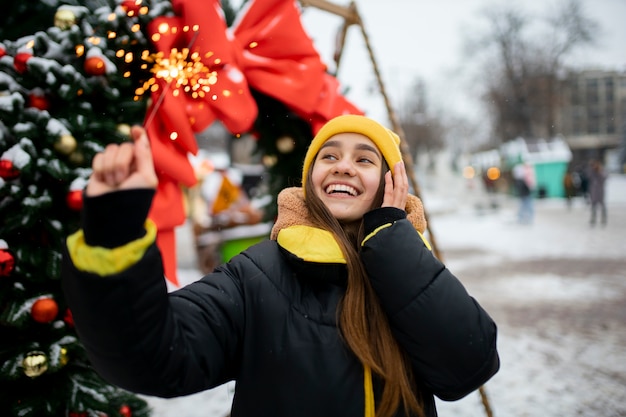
{"x":182,"y":71}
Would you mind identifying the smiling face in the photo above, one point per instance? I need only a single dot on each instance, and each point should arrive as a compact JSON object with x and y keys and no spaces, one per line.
{"x":347,"y":175}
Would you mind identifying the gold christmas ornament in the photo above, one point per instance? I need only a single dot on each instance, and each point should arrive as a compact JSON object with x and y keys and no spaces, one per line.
{"x":124,"y":129}
{"x":63,"y":357}
{"x":269,"y":160}
{"x":64,"y":19}
{"x":66,"y":144}
{"x":285,"y":144}
{"x":77,"y":158}
{"x":35,"y":364}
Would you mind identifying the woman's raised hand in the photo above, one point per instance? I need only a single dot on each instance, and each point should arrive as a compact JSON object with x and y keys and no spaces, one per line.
{"x":124,"y":166}
{"x":396,"y":187}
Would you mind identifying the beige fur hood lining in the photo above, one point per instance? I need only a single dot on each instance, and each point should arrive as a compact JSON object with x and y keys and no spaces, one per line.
{"x":292,"y":211}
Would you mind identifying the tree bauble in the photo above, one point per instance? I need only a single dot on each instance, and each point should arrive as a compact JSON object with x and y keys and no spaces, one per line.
{"x":64,"y":19}
{"x":35,"y":364}
{"x":66,"y":144}
{"x":285,"y":144}
{"x":125,"y":411}
{"x":8,"y":170}
{"x":38,"y":101}
{"x":20,"y":61}
{"x":124,"y":129}
{"x":44,"y":310}
{"x":7,"y":262}
{"x":131,"y":7}
{"x":74,"y":200}
{"x":94,"y":65}
{"x":64,"y":356}
{"x":77,"y":158}
{"x":68,"y":318}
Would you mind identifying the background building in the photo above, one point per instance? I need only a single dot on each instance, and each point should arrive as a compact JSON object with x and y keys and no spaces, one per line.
{"x":593,"y":116}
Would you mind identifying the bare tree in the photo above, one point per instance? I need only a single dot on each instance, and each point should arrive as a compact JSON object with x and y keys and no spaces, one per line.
{"x":521,"y":79}
{"x":424,"y":131}
{"x":461,"y":138}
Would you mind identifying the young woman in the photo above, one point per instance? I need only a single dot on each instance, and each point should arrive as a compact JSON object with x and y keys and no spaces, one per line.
{"x":343,"y":312}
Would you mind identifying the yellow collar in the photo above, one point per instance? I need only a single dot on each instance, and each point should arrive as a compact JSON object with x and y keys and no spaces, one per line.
{"x":311,"y":244}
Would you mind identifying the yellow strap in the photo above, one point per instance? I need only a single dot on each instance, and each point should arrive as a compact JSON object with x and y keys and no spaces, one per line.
{"x":370,"y":410}
{"x":104,"y":261}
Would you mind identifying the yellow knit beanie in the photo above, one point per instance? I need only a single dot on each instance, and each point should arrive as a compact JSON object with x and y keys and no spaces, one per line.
{"x":387,"y":141}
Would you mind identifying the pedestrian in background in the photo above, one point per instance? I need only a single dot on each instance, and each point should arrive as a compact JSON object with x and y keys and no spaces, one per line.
{"x":597,"y":179}
{"x":344,"y":311}
{"x":571,"y":184}
{"x":583,"y":174}
{"x":524,"y":184}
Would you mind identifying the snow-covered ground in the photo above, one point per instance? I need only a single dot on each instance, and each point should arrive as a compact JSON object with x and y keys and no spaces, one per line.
{"x":556,"y":288}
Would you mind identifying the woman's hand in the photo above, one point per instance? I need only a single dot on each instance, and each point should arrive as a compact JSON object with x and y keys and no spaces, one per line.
{"x":124,"y":166}
{"x":396,"y":188}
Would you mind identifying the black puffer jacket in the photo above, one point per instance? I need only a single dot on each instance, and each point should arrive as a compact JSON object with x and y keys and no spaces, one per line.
{"x":267,"y":320}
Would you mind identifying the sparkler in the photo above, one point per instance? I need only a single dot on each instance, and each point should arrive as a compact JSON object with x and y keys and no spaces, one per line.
{"x":182,"y":71}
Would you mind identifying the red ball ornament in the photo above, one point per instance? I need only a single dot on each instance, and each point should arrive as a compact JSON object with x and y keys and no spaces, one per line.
{"x":74,"y":199}
{"x":38,"y":101}
{"x":20,"y":60}
{"x":68,"y":318}
{"x":3,"y":51}
{"x":7,"y":262}
{"x":131,"y":7}
{"x":94,"y":65}
{"x":8,"y":170}
{"x":44,"y":310}
{"x":125,"y":411}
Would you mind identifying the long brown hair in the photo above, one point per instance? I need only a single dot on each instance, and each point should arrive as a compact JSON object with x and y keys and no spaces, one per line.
{"x":363,"y":323}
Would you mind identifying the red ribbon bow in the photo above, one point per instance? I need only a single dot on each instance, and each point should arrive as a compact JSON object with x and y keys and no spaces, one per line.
{"x":267,"y":49}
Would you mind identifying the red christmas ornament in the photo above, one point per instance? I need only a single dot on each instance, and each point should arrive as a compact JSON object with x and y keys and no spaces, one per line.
{"x":74,"y":199}
{"x":3,"y":51}
{"x":131,"y":7}
{"x":68,"y":318}
{"x":94,"y":65}
{"x":8,"y":170}
{"x":125,"y":411}
{"x":7,"y":262}
{"x":38,"y":101}
{"x":44,"y":310}
{"x":19,"y":62}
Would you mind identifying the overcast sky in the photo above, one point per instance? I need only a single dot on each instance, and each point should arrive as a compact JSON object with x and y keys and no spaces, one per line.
{"x":414,"y":39}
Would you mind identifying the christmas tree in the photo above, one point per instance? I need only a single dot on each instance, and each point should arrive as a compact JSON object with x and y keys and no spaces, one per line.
{"x":72,"y":87}
{"x":282,"y":138}
{"x":65,"y":93}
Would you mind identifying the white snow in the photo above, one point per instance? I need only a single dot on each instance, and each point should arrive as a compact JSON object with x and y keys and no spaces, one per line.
{"x":8,"y":103}
{"x":559,"y":356}
{"x":18,"y":156}
{"x":56,"y":128}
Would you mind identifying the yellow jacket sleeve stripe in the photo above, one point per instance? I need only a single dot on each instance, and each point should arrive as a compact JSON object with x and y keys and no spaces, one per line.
{"x":104,"y":261}
{"x":388,"y":225}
